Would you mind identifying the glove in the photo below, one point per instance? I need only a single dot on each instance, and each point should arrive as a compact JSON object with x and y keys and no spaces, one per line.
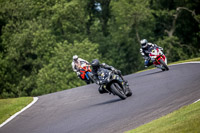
{"x":78,"y":73}
{"x":161,"y":48}
{"x":118,"y":71}
{"x":113,"y":70}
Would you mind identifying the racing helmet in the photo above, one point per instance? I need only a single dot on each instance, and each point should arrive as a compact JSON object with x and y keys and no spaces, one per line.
{"x":143,"y":43}
{"x":95,"y":64}
{"x":75,"y":57}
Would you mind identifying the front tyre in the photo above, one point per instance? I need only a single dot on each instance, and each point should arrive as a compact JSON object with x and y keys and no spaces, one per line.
{"x":117,"y":90}
{"x":90,"y":75}
{"x":164,"y":65}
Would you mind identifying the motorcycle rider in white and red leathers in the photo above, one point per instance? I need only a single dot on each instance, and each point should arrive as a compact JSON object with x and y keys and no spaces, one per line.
{"x":145,"y":46}
{"x":76,"y":64}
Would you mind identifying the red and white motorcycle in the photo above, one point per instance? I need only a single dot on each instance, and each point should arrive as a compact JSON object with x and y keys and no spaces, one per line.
{"x":158,"y":58}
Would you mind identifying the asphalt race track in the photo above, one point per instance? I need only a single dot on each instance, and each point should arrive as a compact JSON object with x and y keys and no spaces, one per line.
{"x":84,"y":110}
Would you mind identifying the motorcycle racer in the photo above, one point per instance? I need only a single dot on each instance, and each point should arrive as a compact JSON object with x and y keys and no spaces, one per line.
{"x":145,"y":46}
{"x":76,"y":64}
{"x":96,"y":66}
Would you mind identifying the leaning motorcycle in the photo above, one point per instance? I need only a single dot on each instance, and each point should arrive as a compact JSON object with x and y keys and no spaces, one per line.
{"x":85,"y":71}
{"x":112,"y":83}
{"x":158,"y":58}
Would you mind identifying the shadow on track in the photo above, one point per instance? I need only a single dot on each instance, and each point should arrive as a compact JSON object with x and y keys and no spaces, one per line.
{"x":107,"y":102}
{"x":151,"y":73}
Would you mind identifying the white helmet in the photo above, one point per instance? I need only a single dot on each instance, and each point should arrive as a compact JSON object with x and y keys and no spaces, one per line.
{"x":75,"y":57}
{"x":143,"y":43}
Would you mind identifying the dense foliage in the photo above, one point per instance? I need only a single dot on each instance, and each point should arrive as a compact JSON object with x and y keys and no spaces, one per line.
{"x":39,"y":37}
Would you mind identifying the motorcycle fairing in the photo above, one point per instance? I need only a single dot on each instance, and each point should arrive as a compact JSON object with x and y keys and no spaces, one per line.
{"x":84,"y":70}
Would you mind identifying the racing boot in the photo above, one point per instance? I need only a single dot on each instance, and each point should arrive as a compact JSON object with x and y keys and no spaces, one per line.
{"x":102,"y":90}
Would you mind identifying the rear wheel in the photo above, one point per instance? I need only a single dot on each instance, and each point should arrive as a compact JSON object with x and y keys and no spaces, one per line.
{"x":164,"y":65}
{"x":117,"y":90}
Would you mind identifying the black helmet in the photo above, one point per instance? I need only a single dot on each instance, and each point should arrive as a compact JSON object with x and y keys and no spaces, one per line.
{"x":95,"y":64}
{"x":143,"y":43}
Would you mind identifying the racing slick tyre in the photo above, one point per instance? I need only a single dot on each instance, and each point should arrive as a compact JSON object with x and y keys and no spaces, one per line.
{"x":117,"y":90}
{"x":164,"y":65}
{"x":90,"y":75}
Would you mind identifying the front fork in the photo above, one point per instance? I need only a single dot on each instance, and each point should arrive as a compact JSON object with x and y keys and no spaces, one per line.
{"x":161,"y":58}
{"x":157,"y":64}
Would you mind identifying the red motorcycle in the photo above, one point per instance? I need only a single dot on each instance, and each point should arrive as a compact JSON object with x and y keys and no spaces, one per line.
{"x":158,"y":58}
{"x":85,"y":71}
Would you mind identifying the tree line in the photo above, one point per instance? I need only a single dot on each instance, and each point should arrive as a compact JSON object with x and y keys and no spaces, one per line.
{"x":39,"y":37}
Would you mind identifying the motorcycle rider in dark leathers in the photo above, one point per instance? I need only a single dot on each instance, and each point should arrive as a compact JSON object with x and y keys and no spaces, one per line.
{"x":96,"y":66}
{"x":144,"y":50}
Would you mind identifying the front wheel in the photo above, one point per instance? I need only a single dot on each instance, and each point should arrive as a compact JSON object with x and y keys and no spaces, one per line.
{"x":90,"y":75}
{"x":164,"y":65}
{"x":117,"y":90}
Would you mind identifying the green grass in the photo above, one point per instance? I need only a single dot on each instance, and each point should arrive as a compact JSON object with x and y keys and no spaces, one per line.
{"x":177,"y":62}
{"x":184,"y":120}
{"x":10,"y":106}
{"x":189,"y":60}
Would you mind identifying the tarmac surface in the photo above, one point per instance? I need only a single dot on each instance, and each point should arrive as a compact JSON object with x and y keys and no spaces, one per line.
{"x":84,"y":110}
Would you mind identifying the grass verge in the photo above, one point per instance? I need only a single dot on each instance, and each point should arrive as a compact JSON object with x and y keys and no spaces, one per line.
{"x":184,"y":120}
{"x":10,"y":106}
{"x":182,"y":61}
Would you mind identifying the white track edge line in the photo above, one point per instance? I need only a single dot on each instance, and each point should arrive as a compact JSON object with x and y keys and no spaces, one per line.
{"x":13,"y":116}
{"x":197,"y":101}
